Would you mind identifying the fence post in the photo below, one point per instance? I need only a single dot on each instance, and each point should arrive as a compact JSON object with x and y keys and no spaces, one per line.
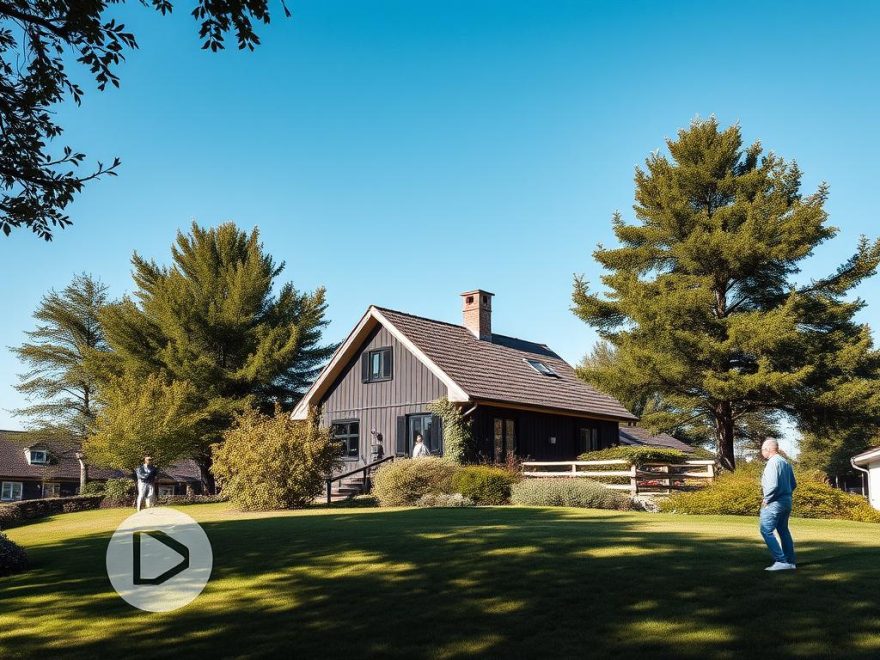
{"x":574,"y":469}
{"x":633,"y":481}
{"x":710,"y":469}
{"x":329,"y":491}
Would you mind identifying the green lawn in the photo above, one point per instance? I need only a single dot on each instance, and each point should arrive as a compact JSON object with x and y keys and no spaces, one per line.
{"x":507,"y":582}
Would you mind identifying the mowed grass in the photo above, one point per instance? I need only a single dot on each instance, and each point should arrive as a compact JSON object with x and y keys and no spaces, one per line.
{"x":449,"y":583}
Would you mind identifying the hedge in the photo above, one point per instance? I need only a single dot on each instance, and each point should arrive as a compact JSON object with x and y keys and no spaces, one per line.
{"x":739,"y":494}
{"x":13,"y":558}
{"x":403,"y":482}
{"x":484,"y":484}
{"x":182,"y":500}
{"x":579,"y":492}
{"x":636,"y":455}
{"x":16,"y":513}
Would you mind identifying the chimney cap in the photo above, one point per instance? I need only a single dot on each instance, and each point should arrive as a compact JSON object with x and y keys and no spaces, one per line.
{"x":482,"y":291}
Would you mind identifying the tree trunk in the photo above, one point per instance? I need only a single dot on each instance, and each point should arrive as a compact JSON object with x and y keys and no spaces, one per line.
{"x":724,"y":435}
{"x":209,"y":487}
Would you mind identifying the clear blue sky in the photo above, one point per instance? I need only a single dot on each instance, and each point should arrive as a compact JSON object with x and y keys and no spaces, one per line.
{"x":402,"y":152}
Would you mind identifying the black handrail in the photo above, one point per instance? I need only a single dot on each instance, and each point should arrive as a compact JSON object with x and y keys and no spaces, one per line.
{"x":365,"y":469}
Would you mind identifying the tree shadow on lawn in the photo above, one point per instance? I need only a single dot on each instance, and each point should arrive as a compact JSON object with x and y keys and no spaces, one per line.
{"x":509,"y":582}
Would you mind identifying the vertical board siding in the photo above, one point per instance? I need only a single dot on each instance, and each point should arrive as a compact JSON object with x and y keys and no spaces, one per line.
{"x":377,"y":405}
{"x":534,"y":430}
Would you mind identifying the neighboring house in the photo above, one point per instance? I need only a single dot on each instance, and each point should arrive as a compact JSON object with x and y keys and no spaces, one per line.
{"x":30,"y":471}
{"x":868,"y":462}
{"x":637,"y":436}
{"x":520,"y":395}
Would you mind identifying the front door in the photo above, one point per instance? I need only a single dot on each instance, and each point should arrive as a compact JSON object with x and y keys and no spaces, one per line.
{"x":422,"y":425}
{"x":504,"y":438}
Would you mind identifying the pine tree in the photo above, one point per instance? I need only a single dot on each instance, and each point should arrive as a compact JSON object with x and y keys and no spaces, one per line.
{"x":58,"y":381}
{"x":702,"y":301}
{"x":214,"y":320}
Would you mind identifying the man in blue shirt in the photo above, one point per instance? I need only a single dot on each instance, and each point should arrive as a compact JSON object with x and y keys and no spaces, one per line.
{"x":778,"y":483}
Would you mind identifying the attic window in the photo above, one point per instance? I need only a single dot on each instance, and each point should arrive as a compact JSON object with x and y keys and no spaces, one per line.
{"x":542,"y":368}
{"x":38,"y":457}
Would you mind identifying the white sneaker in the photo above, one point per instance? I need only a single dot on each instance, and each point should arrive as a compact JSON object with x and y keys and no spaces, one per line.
{"x":780,"y":566}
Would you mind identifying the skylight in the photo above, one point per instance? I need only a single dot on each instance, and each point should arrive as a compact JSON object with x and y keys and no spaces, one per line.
{"x":541,"y":368}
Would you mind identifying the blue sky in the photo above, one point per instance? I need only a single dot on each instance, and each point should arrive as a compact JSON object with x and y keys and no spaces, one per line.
{"x":399,"y":153}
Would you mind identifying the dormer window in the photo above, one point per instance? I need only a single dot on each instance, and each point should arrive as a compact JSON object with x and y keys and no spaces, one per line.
{"x":38,"y":456}
{"x":541,"y":368}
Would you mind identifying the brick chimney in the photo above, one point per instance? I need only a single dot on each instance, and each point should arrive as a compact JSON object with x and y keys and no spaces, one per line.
{"x":477,"y":313}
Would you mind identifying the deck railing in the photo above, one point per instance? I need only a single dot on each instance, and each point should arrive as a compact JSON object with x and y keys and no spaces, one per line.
{"x":647,"y":479}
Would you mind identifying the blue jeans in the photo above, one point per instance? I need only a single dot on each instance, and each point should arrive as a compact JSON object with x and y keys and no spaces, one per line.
{"x":774,"y":516}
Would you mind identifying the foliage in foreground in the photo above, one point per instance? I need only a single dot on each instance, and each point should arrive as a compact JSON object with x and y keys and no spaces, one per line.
{"x":484,"y":484}
{"x":403,"y":482}
{"x":739,"y":494}
{"x":579,"y":492}
{"x":13,"y":558}
{"x":273,"y":462}
{"x":637,"y":456}
{"x":444,"y":501}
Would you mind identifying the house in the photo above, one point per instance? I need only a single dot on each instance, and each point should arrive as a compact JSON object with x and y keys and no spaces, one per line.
{"x":868,"y":462}
{"x":520,"y":395}
{"x":631,"y":435}
{"x":52,"y":468}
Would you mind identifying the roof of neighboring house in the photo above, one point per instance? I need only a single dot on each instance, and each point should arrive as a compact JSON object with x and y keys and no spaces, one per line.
{"x":870,"y":456}
{"x":64,"y":465}
{"x":635,"y":435}
{"x":475,"y":370}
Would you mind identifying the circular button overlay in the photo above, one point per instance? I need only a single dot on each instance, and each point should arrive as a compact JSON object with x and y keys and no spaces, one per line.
{"x":159,"y":559}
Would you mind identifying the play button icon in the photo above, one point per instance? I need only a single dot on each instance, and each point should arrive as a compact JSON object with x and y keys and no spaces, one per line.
{"x":159,"y":559}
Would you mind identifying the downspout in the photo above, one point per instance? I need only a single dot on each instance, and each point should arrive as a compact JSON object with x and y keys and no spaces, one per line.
{"x":469,"y":411}
{"x":860,"y":469}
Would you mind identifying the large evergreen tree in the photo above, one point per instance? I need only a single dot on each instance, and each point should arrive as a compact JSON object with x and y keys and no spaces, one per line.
{"x":214,"y":319}
{"x":702,"y":302}
{"x":57,"y":383}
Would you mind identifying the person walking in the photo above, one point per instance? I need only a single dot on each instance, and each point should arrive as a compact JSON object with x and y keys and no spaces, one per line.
{"x":146,"y":481}
{"x":777,"y":484}
{"x":421,"y":449}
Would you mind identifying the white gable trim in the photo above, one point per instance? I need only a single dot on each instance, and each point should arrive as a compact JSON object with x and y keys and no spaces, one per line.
{"x":350,"y":346}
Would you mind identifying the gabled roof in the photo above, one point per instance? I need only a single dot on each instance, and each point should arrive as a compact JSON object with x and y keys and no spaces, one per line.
{"x":475,"y":370}
{"x":635,"y":435}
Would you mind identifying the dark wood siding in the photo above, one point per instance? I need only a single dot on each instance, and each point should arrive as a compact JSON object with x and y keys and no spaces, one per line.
{"x":378,"y":405}
{"x":534,"y":432}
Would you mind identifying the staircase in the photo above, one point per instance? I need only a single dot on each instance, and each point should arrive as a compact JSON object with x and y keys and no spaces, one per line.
{"x":347,"y":488}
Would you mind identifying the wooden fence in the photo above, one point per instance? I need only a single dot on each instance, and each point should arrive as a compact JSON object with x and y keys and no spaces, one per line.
{"x":647,"y":479}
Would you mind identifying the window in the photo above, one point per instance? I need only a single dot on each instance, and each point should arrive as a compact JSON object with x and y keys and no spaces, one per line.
{"x":10,"y":491}
{"x":166,"y":491}
{"x":505,"y":438}
{"x":51,"y":490}
{"x":588,"y":439}
{"x":541,"y":368}
{"x":38,"y":456}
{"x":348,"y":434}
{"x":376,"y":365}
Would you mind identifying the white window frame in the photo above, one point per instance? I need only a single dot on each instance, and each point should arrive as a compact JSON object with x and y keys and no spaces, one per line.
{"x":166,"y":490}
{"x":56,"y":489}
{"x":34,"y":461}
{"x":11,"y":497}
{"x":541,"y":367}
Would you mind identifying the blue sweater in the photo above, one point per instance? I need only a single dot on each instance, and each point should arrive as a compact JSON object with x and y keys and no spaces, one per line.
{"x":778,"y":481}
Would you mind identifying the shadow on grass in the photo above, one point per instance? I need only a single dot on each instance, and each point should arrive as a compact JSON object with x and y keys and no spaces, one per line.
{"x":505,"y":582}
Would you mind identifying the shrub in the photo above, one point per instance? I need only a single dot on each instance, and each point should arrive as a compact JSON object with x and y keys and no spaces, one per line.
{"x":274,"y":462}
{"x":444,"y":500}
{"x":458,"y":438}
{"x":484,"y":484}
{"x":182,"y":500}
{"x":403,"y":482}
{"x":577,"y":492}
{"x":93,"y":488}
{"x":13,"y":558}
{"x":739,"y":494}
{"x":119,"y":492}
{"x":637,"y":456}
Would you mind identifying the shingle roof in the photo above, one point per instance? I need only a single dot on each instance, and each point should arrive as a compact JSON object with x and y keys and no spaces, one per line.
{"x":14,"y":463}
{"x":497,"y":370}
{"x":635,"y":435}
